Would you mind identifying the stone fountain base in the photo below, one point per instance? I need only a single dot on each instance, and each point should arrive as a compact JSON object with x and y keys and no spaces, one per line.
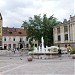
{"x":44,"y":55}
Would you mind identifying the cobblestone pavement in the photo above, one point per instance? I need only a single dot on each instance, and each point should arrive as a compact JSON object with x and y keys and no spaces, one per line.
{"x":13,"y":65}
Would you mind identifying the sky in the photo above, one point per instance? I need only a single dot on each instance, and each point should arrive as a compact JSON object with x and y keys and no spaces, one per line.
{"x":14,"y":12}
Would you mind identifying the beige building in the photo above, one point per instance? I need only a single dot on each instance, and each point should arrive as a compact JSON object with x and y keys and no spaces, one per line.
{"x":1,"y":23}
{"x":64,"y":33}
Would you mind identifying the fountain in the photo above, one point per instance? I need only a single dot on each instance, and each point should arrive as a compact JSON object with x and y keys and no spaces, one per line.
{"x":53,"y":50}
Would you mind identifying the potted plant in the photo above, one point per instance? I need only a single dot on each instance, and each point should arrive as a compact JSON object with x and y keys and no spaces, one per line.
{"x":73,"y":52}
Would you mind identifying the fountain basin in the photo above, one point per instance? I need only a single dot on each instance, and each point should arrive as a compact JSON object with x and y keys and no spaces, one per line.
{"x":44,"y":55}
{"x":53,"y":53}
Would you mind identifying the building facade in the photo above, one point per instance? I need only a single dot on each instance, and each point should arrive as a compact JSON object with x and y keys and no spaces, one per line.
{"x":11,"y":38}
{"x":64,"y":33}
{"x":1,"y":23}
{"x":15,"y":38}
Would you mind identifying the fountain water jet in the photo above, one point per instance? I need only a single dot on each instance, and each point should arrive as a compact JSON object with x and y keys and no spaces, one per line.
{"x":42,"y":48}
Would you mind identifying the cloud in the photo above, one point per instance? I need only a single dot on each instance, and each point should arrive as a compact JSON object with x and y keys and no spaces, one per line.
{"x":14,"y":12}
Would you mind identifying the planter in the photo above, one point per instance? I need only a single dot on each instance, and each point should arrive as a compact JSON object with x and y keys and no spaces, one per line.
{"x":73,"y":56}
{"x":29,"y":58}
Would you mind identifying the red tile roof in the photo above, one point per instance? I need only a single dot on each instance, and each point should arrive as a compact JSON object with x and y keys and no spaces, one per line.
{"x":6,"y":31}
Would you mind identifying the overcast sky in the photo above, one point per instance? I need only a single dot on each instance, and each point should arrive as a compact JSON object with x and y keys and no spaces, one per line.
{"x":14,"y":12}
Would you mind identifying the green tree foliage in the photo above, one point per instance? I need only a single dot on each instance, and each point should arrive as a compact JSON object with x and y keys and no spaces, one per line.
{"x":40,"y":26}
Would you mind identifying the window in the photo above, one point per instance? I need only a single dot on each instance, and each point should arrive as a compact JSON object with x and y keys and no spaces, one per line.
{"x":66,"y":36}
{"x":65,"y":28}
{"x":27,"y":45}
{"x":0,"y":30}
{"x":9,"y":46}
{"x":20,"y":32}
{"x":13,"y":39}
{"x":14,"y":45}
{"x":35,"y":45}
{"x":59,"y":38}
{"x":21,"y":39}
{"x":58,"y":30}
{"x":4,"y":38}
{"x":10,"y":32}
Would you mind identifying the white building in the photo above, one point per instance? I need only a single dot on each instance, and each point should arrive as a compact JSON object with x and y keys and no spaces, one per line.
{"x":64,"y":33}
{"x":15,"y":38}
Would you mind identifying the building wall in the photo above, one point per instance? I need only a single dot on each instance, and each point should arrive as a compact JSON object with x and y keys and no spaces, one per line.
{"x":71,"y":32}
{"x":9,"y":40}
{"x":1,"y":23}
{"x":62,"y":33}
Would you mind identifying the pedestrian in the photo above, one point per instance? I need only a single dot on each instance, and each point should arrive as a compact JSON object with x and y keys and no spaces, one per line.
{"x":14,"y":50}
{"x":59,"y":51}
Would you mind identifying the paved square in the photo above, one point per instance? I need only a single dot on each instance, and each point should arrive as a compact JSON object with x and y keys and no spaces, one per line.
{"x":18,"y":65}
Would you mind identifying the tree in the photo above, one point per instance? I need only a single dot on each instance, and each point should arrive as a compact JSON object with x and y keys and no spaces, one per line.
{"x":40,"y":26}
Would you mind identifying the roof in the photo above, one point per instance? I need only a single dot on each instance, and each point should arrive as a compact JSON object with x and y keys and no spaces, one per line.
{"x":6,"y":31}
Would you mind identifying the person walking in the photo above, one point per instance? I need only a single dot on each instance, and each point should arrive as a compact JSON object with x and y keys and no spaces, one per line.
{"x":14,"y":50}
{"x":59,"y":51}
